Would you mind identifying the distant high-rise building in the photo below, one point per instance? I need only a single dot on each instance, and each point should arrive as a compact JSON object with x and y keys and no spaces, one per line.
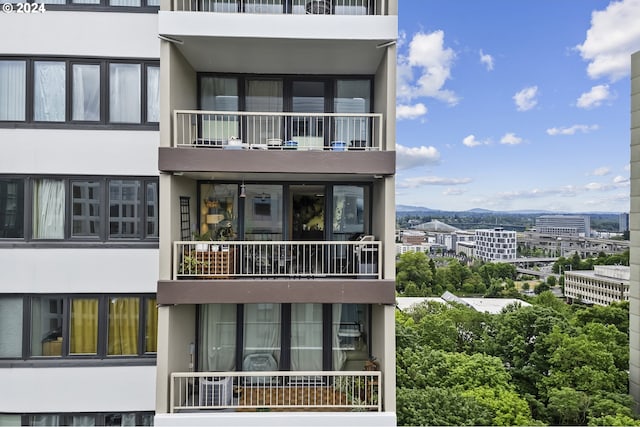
{"x":564,"y":225}
{"x":496,"y":244}
{"x":623,"y":222}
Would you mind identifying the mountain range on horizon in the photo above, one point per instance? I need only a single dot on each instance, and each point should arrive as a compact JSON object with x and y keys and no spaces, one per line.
{"x":418,"y":209}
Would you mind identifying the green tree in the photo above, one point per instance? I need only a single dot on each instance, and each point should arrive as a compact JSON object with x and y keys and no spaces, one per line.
{"x":413,"y":267}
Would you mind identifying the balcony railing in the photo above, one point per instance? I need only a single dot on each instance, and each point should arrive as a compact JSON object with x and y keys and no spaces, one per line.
{"x":276,"y":259}
{"x":294,"y":7}
{"x":276,"y":390}
{"x":277,"y":131}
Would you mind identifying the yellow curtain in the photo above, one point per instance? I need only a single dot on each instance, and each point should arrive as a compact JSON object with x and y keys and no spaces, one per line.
{"x":151,"y":333}
{"x":124,"y":316}
{"x":84,"y":326}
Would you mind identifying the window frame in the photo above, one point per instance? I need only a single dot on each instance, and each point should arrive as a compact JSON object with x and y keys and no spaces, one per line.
{"x":102,"y":352}
{"x":103,"y":238}
{"x":104,"y":101}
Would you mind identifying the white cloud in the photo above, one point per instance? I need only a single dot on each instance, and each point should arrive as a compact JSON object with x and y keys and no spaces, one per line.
{"x":621,"y":180}
{"x":614,"y":35}
{"x":411,"y":157}
{"x":431,"y":61}
{"x":511,"y":139}
{"x":453,"y":192}
{"x":594,"y":186}
{"x":471,"y":141}
{"x":487,"y":60}
{"x":526,"y":98}
{"x":594,"y":98}
{"x":601,"y":171}
{"x":432,"y":180}
{"x":571,"y":130}
{"x":410,"y":111}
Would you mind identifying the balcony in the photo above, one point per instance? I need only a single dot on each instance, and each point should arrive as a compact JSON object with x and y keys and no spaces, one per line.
{"x":277,"y":260}
{"x":276,"y":391}
{"x":277,"y":7}
{"x":278,"y":131}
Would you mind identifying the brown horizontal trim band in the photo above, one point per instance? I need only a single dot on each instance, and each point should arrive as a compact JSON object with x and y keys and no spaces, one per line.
{"x":276,"y":161}
{"x":232,"y":291}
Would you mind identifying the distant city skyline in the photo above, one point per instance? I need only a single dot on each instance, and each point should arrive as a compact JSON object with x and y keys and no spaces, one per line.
{"x":515,"y":105}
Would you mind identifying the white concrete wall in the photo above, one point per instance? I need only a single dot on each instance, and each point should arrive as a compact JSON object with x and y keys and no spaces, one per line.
{"x":76,"y":389}
{"x":77,"y":151}
{"x":78,"y":270}
{"x":129,"y":35}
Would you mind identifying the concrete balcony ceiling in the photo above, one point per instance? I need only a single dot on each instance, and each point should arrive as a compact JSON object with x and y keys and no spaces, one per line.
{"x":287,"y":44}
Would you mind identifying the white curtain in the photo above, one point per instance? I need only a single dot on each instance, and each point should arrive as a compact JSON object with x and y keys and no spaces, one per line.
{"x":86,"y":92}
{"x":153,"y":94}
{"x":124,"y":93}
{"x":48,"y":209}
{"x":44,"y":420}
{"x":262,"y":329}
{"x":12,"y":90}
{"x":306,"y":337}
{"x":218,"y":337}
{"x":83,"y":420}
{"x":339,"y":356}
{"x":264,"y":96}
{"x":49,"y":91}
{"x":10,"y":327}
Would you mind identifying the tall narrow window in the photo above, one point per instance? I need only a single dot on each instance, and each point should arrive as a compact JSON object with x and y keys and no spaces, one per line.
{"x":85,"y":208}
{"x":152,"y":209}
{"x":353,"y":97}
{"x":153,"y":94}
{"x":86,"y":92}
{"x":124,"y":93}
{"x":10,"y":327}
{"x":308,"y":130}
{"x":151,"y":326}
{"x":13,"y":90}
{"x":261,"y":337}
{"x":49,"y":88}
{"x":46,"y":326}
{"x":264,"y":96}
{"x":48,"y":209}
{"x":124,"y":205}
{"x":219,"y":94}
{"x":124,"y":321}
{"x":218,"y":337}
{"x":306,"y":337}
{"x":83,"y":333}
{"x":11,"y":208}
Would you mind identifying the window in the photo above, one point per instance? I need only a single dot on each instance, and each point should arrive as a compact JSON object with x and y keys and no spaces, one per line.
{"x":70,"y":92}
{"x":78,"y":326}
{"x":13,"y":90}
{"x":11,"y":208}
{"x":75,"y":419}
{"x":80,"y":209}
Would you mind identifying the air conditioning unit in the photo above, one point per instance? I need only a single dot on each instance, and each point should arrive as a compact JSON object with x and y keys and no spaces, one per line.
{"x":216,"y":391}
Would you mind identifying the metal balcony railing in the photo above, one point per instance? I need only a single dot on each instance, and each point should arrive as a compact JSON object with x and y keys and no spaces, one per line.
{"x":293,"y":7}
{"x":274,"y":259}
{"x":277,"y":131}
{"x":259,"y":390}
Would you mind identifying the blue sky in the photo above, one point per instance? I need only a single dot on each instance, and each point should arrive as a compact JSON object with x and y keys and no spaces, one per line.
{"x":512,"y":105}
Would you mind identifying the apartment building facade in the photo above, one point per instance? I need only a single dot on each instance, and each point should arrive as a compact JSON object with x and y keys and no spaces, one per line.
{"x":276,"y":291}
{"x":79,"y":113}
{"x":495,"y":244}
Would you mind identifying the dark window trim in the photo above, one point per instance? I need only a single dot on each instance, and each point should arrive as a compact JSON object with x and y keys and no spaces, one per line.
{"x":104,"y":122}
{"x":66,"y":418}
{"x":102,"y":240}
{"x":70,"y":360}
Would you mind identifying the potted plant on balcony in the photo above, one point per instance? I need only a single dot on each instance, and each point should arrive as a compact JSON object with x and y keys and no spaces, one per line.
{"x":202,"y":237}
